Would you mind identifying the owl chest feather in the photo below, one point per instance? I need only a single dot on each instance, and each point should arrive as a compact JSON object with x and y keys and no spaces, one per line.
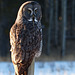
{"x":29,"y":37}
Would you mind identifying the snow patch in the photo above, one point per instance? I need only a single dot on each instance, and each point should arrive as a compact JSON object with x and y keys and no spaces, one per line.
{"x":43,"y":68}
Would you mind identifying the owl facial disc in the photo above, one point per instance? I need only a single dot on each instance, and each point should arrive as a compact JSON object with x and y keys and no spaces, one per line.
{"x":33,"y":15}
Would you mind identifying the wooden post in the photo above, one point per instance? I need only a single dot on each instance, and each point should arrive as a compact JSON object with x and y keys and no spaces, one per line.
{"x":31,"y":68}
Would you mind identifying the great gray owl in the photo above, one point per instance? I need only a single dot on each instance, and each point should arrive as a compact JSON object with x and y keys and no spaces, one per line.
{"x":26,"y":36}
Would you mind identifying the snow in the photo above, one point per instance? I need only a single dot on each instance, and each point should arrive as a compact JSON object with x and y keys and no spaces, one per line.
{"x":43,"y":68}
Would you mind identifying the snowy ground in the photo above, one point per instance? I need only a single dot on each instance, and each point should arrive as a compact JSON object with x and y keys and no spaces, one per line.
{"x":43,"y":68}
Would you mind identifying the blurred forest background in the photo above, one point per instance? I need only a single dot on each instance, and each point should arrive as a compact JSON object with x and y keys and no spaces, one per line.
{"x":58,"y":23}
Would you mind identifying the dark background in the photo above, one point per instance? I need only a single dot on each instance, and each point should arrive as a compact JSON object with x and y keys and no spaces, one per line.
{"x":58,"y":23}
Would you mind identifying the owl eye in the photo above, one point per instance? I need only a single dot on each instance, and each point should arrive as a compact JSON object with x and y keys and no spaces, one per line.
{"x":29,"y":11}
{"x":36,"y":10}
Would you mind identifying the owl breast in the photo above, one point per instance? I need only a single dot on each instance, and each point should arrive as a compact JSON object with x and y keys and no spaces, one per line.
{"x":29,"y":38}
{"x":32,"y":39}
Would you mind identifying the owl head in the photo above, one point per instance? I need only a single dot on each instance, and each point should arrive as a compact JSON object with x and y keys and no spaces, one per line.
{"x":29,"y":11}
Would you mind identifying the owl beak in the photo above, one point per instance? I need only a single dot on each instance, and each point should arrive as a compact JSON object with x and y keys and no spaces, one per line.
{"x":33,"y":17}
{"x":33,"y":20}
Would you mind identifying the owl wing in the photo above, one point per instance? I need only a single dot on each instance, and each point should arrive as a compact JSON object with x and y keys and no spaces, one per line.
{"x":17,"y":53}
{"x":12,"y":38}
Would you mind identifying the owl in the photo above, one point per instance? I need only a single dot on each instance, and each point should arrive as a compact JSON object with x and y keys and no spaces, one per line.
{"x":26,"y":36}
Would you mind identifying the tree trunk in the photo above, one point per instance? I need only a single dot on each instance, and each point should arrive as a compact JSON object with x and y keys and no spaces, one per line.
{"x":72,"y":26}
{"x":50,"y":25}
{"x":64,"y":24}
{"x":56,"y":22}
